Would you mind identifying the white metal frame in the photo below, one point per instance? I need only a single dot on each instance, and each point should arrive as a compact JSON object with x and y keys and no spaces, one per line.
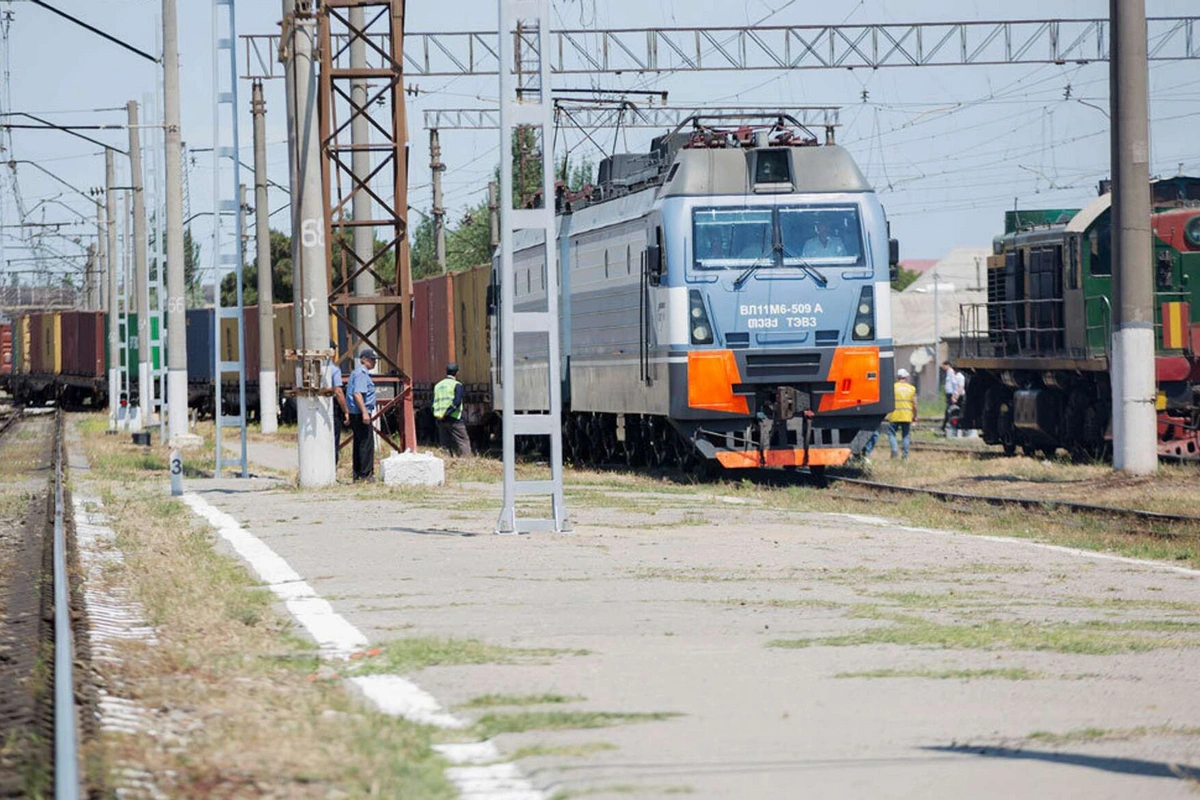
{"x":534,"y":108}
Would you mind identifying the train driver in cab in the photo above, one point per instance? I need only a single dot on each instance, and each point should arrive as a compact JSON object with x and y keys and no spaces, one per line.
{"x":824,"y":244}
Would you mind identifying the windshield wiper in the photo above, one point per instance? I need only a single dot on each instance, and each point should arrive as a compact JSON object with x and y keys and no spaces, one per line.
{"x":814,"y":273}
{"x":750,"y":270}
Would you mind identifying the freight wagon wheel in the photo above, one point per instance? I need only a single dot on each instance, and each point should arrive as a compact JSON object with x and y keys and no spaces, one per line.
{"x":818,"y":476}
{"x":1029,"y":450}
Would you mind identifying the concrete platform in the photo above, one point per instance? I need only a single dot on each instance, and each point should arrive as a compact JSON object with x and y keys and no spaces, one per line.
{"x":675,"y":598}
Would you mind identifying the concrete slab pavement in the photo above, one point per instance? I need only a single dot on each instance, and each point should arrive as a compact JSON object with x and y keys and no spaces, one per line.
{"x":677,"y":601}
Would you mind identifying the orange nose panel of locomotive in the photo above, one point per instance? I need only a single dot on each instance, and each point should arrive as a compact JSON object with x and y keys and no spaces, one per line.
{"x":854,"y":374}
{"x":712,"y":375}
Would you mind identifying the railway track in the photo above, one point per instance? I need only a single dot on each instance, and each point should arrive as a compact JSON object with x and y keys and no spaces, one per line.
{"x":39,"y":625}
{"x":1154,"y":523}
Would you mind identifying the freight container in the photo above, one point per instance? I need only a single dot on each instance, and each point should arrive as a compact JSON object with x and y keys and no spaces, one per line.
{"x":22,"y":357}
{"x":229,"y":342}
{"x":471,"y":332}
{"x":83,"y":344}
{"x":6,"y":348}
{"x":200,"y":341}
{"x":285,"y":370}
{"x":45,"y":344}
{"x":131,"y":352}
{"x":422,"y":368}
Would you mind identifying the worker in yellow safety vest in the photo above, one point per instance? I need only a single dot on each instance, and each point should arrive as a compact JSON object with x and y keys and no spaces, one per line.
{"x":449,"y":396}
{"x":904,"y":414}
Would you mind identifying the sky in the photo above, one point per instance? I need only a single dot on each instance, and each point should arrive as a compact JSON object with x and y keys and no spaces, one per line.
{"x":948,"y":148}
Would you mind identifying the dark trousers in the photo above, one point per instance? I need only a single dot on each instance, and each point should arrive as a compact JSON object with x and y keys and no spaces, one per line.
{"x":338,"y":427}
{"x":364,"y":448}
{"x":452,"y":434}
{"x":946,"y":416}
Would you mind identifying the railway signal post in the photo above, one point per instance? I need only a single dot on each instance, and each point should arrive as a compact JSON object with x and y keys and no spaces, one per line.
{"x":1133,"y":388}
{"x":114,"y":296}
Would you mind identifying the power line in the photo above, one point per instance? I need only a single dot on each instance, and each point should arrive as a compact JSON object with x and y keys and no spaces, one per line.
{"x":95,"y":30}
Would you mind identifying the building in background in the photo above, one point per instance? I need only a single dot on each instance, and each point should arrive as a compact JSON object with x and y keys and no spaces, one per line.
{"x":917,"y":323}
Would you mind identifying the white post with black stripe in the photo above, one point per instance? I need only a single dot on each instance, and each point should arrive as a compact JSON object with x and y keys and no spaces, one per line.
{"x":525,"y":101}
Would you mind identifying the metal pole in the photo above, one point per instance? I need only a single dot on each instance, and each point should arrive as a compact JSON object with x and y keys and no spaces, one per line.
{"x":141,"y":270}
{"x":177,"y":372}
{"x":360,"y":165}
{"x":937,"y":327}
{"x":127,"y":340}
{"x":267,"y":413}
{"x":439,"y":213}
{"x":314,"y":411}
{"x":1133,"y":389}
{"x":114,"y":295}
{"x":493,"y":214}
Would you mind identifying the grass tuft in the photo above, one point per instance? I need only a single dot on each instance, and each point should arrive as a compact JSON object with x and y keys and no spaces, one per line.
{"x":417,"y":652}
{"x":494,"y":700}
{"x":493,"y":724}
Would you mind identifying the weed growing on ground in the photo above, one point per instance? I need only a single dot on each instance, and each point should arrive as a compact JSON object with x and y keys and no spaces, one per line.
{"x":562,"y":750}
{"x":494,"y":700}
{"x":1105,"y":734}
{"x":493,"y":724}
{"x":1009,"y":674}
{"x":406,"y":655}
{"x":1083,"y":638}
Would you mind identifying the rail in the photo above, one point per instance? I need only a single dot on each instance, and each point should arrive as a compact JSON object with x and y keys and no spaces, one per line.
{"x":66,"y":732}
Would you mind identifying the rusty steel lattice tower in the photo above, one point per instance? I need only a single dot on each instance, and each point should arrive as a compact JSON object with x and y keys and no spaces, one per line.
{"x":376,"y":26}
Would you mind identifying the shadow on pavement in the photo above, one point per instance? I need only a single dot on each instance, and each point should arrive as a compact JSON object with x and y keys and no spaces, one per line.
{"x":1124,"y":766}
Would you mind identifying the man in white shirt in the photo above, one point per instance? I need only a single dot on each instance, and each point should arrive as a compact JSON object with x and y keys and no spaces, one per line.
{"x":823,"y":245}
{"x":954,"y":384}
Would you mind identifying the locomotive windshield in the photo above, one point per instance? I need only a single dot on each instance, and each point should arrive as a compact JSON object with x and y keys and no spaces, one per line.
{"x":788,"y":236}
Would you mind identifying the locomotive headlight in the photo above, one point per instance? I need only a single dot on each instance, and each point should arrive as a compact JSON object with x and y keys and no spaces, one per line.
{"x":700,"y":326}
{"x":1192,"y":232}
{"x":864,"y":318}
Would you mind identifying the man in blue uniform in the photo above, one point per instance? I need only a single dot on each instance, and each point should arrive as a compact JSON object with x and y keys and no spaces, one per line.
{"x":448,"y":398}
{"x":341,"y":411}
{"x":360,"y":391}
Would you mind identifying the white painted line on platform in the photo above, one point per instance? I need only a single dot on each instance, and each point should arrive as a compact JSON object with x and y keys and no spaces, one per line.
{"x":401,"y":697}
{"x":881,"y":522}
{"x":391,"y":694}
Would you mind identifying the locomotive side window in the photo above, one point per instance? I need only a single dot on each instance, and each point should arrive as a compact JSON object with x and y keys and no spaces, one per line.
{"x":1100,"y":240}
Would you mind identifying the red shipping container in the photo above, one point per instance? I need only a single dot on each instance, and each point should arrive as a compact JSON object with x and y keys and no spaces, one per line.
{"x":91,"y":344}
{"x":6,"y":349}
{"x":421,"y":372}
{"x":70,"y":342}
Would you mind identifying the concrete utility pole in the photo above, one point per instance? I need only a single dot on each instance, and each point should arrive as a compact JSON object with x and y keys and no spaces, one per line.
{"x":1133,"y":391}
{"x":439,"y":212}
{"x":89,"y":293}
{"x":314,"y":411}
{"x":493,"y":214}
{"x":285,"y":56}
{"x":101,"y":261}
{"x":141,"y":270}
{"x":177,"y":372}
{"x":267,"y":412}
{"x":114,"y":295}
{"x":360,"y":165}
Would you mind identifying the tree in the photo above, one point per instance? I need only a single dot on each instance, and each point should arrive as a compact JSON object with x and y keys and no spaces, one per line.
{"x":904,"y":277}
{"x":423,"y":252}
{"x":193,"y":288}
{"x":281,"y":276}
